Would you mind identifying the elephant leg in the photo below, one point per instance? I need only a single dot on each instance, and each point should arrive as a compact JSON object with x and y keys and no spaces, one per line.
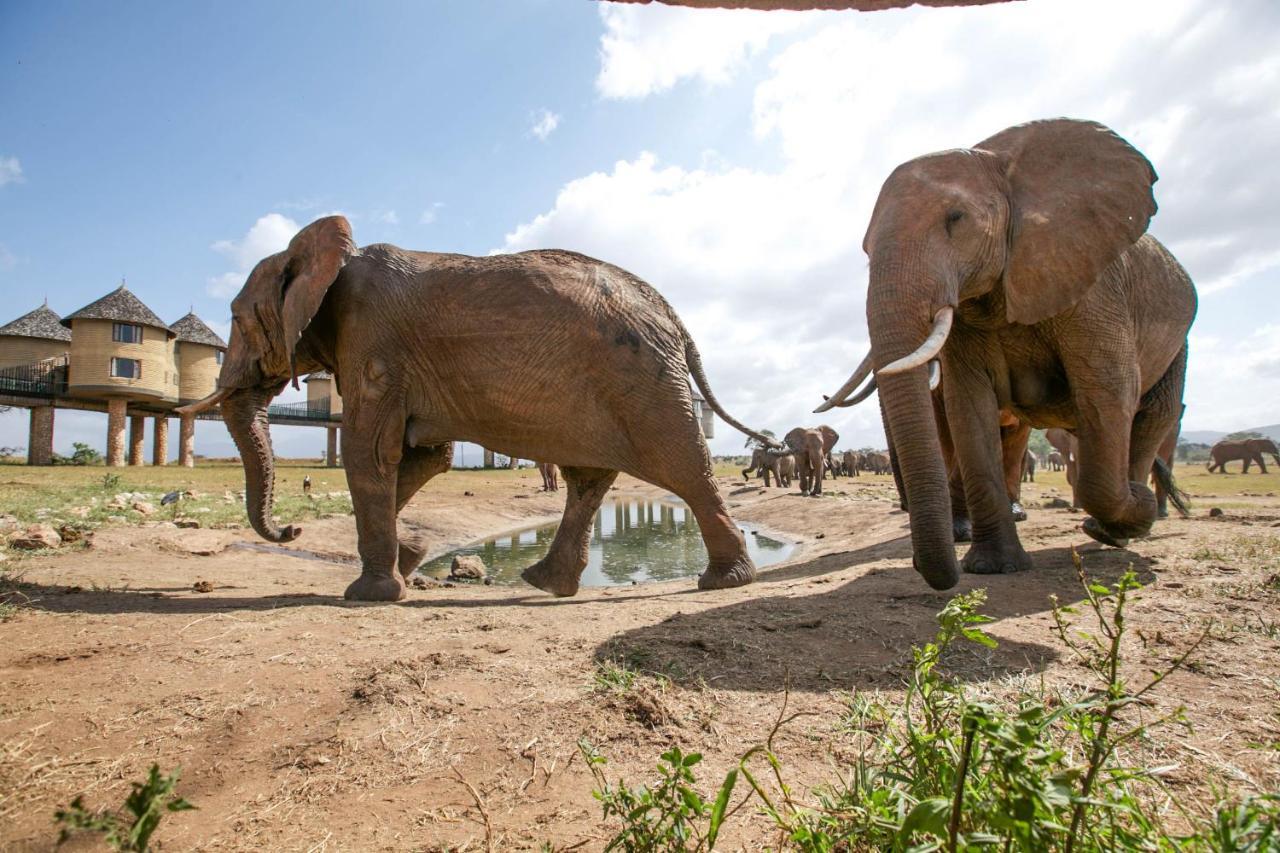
{"x":560,"y":571}
{"x":974,"y":419}
{"x":417,"y":466}
{"x":1013,"y":447}
{"x":961,"y":528}
{"x":371,"y":454}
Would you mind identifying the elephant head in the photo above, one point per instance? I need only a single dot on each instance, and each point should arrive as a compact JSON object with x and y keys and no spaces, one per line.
{"x":1014,"y":230}
{"x":268,"y":317}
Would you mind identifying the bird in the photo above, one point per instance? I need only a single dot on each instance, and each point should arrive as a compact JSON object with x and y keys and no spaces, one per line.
{"x":170,"y":498}
{"x":306,"y":484}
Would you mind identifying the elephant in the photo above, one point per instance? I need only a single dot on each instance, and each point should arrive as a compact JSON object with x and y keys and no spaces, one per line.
{"x":1029,"y":463}
{"x":1067,"y":449}
{"x":1022,"y":268}
{"x":430,"y":348}
{"x":1056,"y":462}
{"x":550,"y":476}
{"x":834,"y":465}
{"x":1249,"y":450}
{"x":876,"y":463}
{"x":766,"y":461}
{"x":851,"y":463}
{"x":811,"y":447}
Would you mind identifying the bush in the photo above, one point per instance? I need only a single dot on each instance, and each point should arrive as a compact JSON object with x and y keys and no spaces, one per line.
{"x":945,"y":771}
{"x":147,"y":804}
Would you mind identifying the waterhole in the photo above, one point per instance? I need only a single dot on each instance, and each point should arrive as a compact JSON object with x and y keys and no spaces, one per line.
{"x":632,"y":541}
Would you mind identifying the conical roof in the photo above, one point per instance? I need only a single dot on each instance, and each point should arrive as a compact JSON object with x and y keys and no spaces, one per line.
{"x":192,"y":329}
{"x":318,"y":375}
{"x":40,"y":323}
{"x":123,"y":307}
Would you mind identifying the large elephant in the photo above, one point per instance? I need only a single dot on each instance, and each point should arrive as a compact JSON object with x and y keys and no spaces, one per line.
{"x":1022,"y":266}
{"x":430,"y":348}
{"x":811,"y":448}
{"x":1249,"y":450}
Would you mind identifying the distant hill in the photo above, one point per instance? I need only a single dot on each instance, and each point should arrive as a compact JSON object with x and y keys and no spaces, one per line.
{"x":1208,"y":436}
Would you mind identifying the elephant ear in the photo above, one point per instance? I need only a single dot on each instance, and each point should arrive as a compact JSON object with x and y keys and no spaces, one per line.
{"x":315,"y":256}
{"x":1079,"y":196}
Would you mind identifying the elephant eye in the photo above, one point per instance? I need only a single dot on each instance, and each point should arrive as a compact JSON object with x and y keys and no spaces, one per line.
{"x":953,"y":216}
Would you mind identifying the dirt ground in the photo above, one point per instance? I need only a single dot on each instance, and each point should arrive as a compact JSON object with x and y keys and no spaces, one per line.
{"x":303,"y":722}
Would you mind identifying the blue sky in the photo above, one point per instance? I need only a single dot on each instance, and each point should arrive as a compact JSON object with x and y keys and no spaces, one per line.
{"x":729,"y":158}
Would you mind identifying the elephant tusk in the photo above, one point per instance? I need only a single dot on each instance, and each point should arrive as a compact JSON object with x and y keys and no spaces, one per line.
{"x":206,"y":404}
{"x":860,"y":373}
{"x":935,"y":375}
{"x":931,"y":347}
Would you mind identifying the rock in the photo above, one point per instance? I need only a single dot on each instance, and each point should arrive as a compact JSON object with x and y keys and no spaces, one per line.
{"x":1215,"y":512}
{"x":1056,"y":503}
{"x":418,"y":582}
{"x":71,"y":534}
{"x":79,"y":511}
{"x":117,"y":519}
{"x":467,"y":567}
{"x":143,"y":507}
{"x":468,"y":494}
{"x":187,"y":523}
{"x":202,"y":586}
{"x":8,"y":522}
{"x":35,"y":537}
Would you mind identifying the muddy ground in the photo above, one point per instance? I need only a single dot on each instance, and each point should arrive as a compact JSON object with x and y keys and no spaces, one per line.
{"x":304,"y":722}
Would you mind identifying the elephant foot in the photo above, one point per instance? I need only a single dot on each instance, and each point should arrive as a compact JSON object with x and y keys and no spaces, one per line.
{"x":1112,"y":537}
{"x":409,"y":558}
{"x":547,"y":578}
{"x":990,"y":559}
{"x":961,"y":529}
{"x":1019,"y":514}
{"x":738,"y":573}
{"x":371,"y":587}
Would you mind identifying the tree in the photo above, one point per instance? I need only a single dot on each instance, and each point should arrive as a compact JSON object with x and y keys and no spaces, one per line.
{"x":1242,"y":435}
{"x":1038,"y":444}
{"x":752,"y":442}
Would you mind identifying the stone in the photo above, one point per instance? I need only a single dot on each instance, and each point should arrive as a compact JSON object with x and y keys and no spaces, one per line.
{"x":1216,"y":512}
{"x":1056,"y":503}
{"x":71,"y":535}
{"x":35,"y":537}
{"x":79,"y":511}
{"x":202,"y":586}
{"x":187,"y":523}
{"x":144,"y":507}
{"x":467,"y":567}
{"x":8,"y":523}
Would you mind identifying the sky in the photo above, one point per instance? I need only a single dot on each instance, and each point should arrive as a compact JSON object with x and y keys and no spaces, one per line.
{"x":729,"y":158}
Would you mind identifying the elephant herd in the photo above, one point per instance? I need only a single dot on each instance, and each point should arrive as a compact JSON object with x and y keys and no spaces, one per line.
{"x":777,"y":466}
{"x":1012,"y":285}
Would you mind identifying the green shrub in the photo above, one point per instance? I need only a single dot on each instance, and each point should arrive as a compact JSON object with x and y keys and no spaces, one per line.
{"x":147,"y":804}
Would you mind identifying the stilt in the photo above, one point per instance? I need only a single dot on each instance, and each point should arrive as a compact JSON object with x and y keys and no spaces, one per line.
{"x":187,"y":441}
{"x":331,"y":450}
{"x":488,"y":458}
{"x":160,"y":442}
{"x":115,"y":431}
{"x":40,"y":439}
{"x":137,"y":438}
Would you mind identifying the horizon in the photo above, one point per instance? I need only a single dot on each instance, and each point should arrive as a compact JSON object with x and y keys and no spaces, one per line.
{"x":728,"y":158}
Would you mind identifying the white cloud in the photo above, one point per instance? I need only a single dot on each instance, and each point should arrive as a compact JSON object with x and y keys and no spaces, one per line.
{"x":765,"y":264}
{"x":270,"y":234}
{"x":431,"y":214}
{"x":649,"y":49}
{"x":10,"y":171}
{"x":544,"y":124}
{"x":387,"y":217}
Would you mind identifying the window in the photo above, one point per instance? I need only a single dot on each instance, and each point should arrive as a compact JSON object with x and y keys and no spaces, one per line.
{"x":126,"y":333}
{"x":220,"y":355}
{"x":126,"y":368}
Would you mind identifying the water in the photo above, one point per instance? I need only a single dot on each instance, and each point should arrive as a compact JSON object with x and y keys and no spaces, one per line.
{"x":631,"y":541}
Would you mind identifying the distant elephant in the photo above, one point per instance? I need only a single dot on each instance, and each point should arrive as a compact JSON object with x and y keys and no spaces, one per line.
{"x":811,"y":447}
{"x":876,"y":463}
{"x":1056,"y":462}
{"x":550,"y":477}
{"x":1022,"y":266}
{"x":850,"y":462}
{"x":1067,"y":449}
{"x":1249,"y":450}
{"x":767,"y":460}
{"x":1029,"y":463}
{"x":834,"y":465}
{"x":429,"y":348}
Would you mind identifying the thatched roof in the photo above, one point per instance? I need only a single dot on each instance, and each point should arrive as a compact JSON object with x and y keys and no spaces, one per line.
{"x":860,"y":5}
{"x":191,"y":329}
{"x":123,"y":307}
{"x":318,"y":375}
{"x":40,"y":323}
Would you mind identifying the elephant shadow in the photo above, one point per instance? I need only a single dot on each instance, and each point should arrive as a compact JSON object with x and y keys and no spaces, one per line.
{"x":858,"y":634}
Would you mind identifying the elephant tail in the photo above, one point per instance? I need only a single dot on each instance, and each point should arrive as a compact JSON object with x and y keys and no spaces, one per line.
{"x":1180,"y":499}
{"x":694,"y":361}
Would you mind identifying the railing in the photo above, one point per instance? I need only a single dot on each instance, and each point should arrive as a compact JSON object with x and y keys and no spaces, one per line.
{"x":47,"y":378}
{"x":313,"y":411}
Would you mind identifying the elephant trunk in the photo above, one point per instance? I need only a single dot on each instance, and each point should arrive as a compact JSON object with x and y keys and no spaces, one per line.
{"x":245,"y":413}
{"x":898,"y":324}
